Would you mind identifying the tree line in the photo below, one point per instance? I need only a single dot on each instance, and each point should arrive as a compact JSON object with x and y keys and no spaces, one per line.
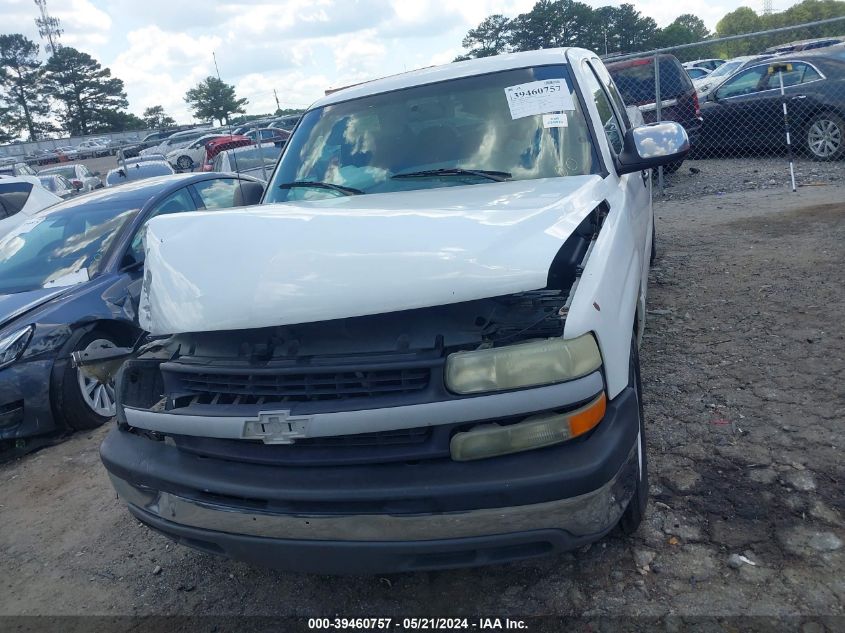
{"x":73,"y":93}
{"x":89,"y":99}
{"x":623,"y":29}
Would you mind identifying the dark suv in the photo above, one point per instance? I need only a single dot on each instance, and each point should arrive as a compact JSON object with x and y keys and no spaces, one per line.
{"x":679,"y":101}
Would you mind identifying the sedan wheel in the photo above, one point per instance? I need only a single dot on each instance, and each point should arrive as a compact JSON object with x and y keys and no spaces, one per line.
{"x":99,"y":396}
{"x":184,"y":163}
{"x":824,"y":137}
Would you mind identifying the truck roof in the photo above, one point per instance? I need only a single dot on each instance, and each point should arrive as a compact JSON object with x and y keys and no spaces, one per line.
{"x":455,"y":70}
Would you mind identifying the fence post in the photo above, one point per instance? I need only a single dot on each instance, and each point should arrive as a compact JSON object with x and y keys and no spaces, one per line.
{"x":658,"y":103}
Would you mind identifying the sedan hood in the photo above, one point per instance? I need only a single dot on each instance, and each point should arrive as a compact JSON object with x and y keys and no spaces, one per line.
{"x":351,"y":256}
{"x":14,"y":305}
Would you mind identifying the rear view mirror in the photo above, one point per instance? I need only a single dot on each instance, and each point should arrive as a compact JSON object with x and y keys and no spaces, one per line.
{"x":653,"y":145}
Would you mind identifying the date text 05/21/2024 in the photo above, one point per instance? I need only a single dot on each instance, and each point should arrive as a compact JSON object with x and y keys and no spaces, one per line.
{"x":415,"y":624}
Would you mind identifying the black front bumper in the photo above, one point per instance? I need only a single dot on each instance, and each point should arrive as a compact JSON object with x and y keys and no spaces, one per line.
{"x":385,"y":517}
{"x":25,"y":409}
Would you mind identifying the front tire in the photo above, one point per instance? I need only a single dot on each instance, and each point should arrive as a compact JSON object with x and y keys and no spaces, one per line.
{"x":86,"y":402}
{"x":184,"y":163}
{"x":635,"y":512}
{"x":825,"y":137}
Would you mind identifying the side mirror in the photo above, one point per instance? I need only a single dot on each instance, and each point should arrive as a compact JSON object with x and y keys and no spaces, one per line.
{"x":248,"y":193}
{"x":653,"y":145}
{"x":129,"y":261}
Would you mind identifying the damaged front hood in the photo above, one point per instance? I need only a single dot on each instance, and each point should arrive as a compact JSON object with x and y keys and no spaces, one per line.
{"x":351,"y":256}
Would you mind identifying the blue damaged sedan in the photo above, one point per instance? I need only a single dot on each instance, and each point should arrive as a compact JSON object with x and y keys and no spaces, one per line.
{"x":70,"y":278}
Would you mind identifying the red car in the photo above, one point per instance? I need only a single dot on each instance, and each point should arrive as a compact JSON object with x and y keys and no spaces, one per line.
{"x":217,"y":145}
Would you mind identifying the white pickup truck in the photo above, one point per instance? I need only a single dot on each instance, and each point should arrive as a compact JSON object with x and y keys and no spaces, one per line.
{"x":420,"y":351}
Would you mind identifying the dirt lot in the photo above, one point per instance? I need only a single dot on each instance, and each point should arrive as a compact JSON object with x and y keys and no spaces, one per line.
{"x":743,"y":362}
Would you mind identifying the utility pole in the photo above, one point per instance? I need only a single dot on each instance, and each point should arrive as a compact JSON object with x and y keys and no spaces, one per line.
{"x":767,"y":7}
{"x":48,"y":28}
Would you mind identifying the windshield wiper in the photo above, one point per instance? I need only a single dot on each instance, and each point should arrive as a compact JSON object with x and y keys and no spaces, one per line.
{"x":498,"y":176}
{"x":349,"y":191}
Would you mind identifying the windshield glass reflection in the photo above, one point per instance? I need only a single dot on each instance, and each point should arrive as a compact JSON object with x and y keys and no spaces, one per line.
{"x":462,"y":124}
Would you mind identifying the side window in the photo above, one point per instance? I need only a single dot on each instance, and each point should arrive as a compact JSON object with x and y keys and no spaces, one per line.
{"x":791,"y":78}
{"x":13,"y":197}
{"x":607,"y":81}
{"x":177,"y":201}
{"x":218,"y":193}
{"x":745,"y":83}
{"x":810,"y":74}
{"x":609,"y":121}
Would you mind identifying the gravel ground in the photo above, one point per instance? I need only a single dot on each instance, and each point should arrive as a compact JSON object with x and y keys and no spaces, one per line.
{"x":719,"y":176}
{"x":743,"y":361}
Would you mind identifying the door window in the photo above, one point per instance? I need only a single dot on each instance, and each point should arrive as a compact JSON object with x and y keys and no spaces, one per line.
{"x":176,"y":202}
{"x":609,"y":121}
{"x":745,"y":83}
{"x":607,"y":81}
{"x":800,"y":74}
{"x":218,"y":193}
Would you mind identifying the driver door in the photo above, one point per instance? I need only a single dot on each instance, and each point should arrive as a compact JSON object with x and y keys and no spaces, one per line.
{"x":736,"y":117}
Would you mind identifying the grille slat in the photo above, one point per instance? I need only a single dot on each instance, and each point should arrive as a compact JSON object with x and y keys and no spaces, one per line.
{"x":220,"y":387}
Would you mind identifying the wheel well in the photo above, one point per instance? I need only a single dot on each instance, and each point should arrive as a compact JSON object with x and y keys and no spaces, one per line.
{"x":122,"y":333}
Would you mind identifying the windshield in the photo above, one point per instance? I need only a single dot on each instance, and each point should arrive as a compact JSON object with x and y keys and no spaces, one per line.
{"x":49,"y":183}
{"x":137,"y":171}
{"x":726,"y":69}
{"x":245,"y":158}
{"x":60,"y":248}
{"x":460,"y":124}
{"x":67,"y":172}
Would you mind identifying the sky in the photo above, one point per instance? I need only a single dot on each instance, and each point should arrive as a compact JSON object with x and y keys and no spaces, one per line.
{"x":161,"y":48}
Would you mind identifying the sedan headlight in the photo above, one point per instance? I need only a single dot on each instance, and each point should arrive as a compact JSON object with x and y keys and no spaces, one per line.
{"x":12,"y":345}
{"x":522,"y":365}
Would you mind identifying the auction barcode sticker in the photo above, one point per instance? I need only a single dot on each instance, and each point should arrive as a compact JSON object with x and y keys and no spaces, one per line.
{"x":539,"y":97}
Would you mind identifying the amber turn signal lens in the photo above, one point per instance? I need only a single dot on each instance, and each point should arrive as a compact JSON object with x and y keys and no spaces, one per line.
{"x":585,"y":418}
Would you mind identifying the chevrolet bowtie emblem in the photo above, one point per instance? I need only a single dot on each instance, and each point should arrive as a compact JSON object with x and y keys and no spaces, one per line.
{"x":277,"y":427}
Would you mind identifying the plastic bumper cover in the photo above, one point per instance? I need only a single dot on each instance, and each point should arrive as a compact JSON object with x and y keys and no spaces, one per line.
{"x":399,"y":517}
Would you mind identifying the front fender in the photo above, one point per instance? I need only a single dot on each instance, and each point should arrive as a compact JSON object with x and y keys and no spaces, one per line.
{"x":607,"y":295}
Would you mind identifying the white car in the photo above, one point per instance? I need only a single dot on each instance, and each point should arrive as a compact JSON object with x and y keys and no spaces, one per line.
{"x":191,"y":155}
{"x":78,"y":174}
{"x":67,"y":152}
{"x":176,"y":141}
{"x":420,"y":350}
{"x":20,"y":199}
{"x":92,"y":149}
{"x":58,"y":184}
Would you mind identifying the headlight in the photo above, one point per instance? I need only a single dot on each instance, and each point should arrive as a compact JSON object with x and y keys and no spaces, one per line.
{"x":13,"y":345}
{"x":522,"y":365}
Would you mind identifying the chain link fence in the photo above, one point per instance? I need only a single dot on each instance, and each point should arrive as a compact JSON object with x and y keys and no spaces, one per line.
{"x":750,"y":104}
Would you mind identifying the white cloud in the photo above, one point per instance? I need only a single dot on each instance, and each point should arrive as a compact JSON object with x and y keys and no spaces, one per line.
{"x":158,"y":68}
{"x":161,"y":48}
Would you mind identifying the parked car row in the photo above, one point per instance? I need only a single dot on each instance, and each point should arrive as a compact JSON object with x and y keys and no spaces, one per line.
{"x":736,"y":105}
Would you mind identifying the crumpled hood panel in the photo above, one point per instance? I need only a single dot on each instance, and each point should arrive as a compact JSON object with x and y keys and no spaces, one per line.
{"x":351,"y":256}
